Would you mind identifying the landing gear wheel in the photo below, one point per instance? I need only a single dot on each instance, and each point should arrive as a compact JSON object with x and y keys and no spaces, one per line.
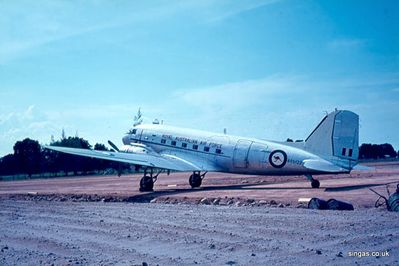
{"x":195,"y":180}
{"x":146,"y":184}
{"x":315,"y":183}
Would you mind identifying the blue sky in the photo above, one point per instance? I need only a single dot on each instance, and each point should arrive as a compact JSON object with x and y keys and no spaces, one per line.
{"x":266,"y":69}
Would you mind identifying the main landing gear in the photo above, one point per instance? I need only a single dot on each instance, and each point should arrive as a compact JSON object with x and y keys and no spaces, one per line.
{"x":148,"y":180}
{"x":314,"y":182}
{"x":195,"y":179}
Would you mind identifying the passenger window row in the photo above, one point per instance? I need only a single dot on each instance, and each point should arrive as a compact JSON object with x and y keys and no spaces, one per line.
{"x":194,"y":147}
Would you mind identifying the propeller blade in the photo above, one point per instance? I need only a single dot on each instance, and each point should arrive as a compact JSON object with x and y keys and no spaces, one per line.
{"x":113,"y":145}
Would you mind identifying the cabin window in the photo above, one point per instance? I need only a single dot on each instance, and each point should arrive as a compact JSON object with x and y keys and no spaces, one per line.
{"x":184,"y":145}
{"x":195,"y":147}
{"x":343,"y":151}
{"x":173,"y":143}
{"x":218,"y":151}
{"x":206,"y":149}
{"x":350,"y":152}
{"x":163,"y":141}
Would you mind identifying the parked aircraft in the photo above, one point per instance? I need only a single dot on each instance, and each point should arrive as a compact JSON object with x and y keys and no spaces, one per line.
{"x":331,"y":148}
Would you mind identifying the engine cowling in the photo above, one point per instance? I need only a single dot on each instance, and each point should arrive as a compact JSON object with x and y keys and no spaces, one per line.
{"x":134,"y":149}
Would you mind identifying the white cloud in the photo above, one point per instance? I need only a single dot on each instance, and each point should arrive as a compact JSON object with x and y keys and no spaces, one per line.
{"x":237,"y":95}
{"x":20,"y":124}
{"x":27,"y":26}
{"x":17,"y":117}
{"x":227,"y":9}
{"x":274,"y":107}
{"x":283,"y":106}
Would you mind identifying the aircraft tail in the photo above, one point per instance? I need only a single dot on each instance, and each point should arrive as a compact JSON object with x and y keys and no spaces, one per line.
{"x":336,"y":138}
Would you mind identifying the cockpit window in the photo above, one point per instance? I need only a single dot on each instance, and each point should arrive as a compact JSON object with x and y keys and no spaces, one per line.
{"x":134,"y":131}
{"x":218,"y":151}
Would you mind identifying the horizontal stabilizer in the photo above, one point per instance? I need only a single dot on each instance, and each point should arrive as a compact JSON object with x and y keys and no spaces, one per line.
{"x":322,"y":166}
{"x":363,"y":168}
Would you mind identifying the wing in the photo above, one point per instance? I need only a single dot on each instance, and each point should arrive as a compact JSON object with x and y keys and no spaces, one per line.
{"x":153,"y":159}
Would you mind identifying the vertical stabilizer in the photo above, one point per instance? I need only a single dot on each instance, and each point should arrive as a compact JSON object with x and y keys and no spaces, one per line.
{"x":336,"y":138}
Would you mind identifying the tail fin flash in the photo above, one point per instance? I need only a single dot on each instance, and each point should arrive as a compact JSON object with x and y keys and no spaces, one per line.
{"x":336,"y":138}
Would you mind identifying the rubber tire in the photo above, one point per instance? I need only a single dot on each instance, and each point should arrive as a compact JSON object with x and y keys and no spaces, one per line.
{"x":146,"y":184}
{"x":315,"y":183}
{"x":195,"y":181}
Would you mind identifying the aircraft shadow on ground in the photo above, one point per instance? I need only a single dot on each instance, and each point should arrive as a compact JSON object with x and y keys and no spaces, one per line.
{"x":355,"y":187}
{"x":148,"y":196}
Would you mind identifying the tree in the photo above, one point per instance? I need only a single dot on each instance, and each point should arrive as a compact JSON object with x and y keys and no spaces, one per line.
{"x":63,"y":134}
{"x":387,"y":151}
{"x":28,"y":156}
{"x":68,"y":162}
{"x":376,"y":151}
{"x":137,"y":120}
{"x":100,"y":147}
{"x":101,"y":164}
{"x":8,"y":165}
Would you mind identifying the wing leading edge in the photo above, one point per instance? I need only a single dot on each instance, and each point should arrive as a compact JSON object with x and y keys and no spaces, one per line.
{"x":155,"y":160}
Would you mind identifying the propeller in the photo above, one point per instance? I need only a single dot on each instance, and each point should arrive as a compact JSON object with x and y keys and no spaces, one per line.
{"x":113,"y":145}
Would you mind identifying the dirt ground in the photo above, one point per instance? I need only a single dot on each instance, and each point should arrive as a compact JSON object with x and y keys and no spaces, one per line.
{"x":96,"y":233}
{"x":253,"y":220}
{"x":353,"y":188}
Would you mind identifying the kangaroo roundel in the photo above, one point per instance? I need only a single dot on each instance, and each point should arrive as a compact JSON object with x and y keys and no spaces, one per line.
{"x":278,"y":158}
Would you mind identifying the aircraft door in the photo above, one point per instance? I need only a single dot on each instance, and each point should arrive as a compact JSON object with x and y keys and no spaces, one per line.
{"x":240,"y":156}
{"x":257,"y":158}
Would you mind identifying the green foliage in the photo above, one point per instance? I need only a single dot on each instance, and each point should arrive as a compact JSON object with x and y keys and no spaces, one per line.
{"x":100,"y":147}
{"x":376,"y":151}
{"x":137,"y":120}
{"x":72,"y":142}
{"x":8,"y":165}
{"x":29,"y":158}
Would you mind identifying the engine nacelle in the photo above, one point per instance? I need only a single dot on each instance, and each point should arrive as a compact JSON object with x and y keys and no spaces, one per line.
{"x":134,"y":149}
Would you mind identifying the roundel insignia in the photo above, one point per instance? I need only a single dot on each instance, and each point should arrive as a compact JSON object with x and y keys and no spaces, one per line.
{"x":278,"y":158}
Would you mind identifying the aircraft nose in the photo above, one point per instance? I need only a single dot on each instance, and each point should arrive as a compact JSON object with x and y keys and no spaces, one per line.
{"x":125,"y":140}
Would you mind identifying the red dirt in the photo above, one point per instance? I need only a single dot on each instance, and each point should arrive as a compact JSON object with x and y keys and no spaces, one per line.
{"x":353,"y":187}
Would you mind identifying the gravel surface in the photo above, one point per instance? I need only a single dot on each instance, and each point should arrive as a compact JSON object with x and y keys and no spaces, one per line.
{"x":353,"y":188}
{"x":107,"y":233}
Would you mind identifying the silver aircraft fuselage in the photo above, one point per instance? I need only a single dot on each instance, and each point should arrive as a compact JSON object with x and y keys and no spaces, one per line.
{"x":226,"y":153}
